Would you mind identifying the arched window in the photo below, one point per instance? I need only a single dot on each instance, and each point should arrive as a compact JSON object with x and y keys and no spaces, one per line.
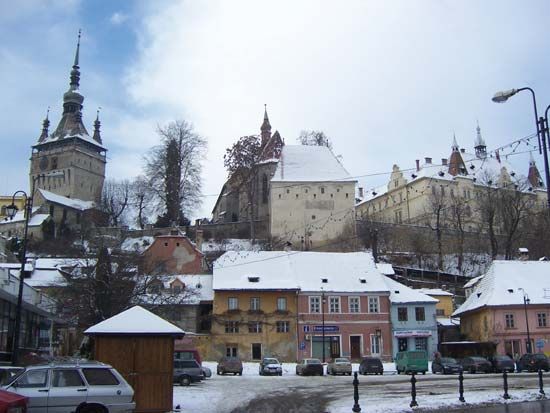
{"x":264,"y":189}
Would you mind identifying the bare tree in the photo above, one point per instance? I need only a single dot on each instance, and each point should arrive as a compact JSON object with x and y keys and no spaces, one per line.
{"x":174,"y":170}
{"x":314,"y":138}
{"x":487,"y":205}
{"x":436,"y":209}
{"x":459,"y":213}
{"x":141,"y":197}
{"x":114,"y":200}
{"x":241,"y":162}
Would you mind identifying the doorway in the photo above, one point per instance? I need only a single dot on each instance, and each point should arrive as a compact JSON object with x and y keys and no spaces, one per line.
{"x":355,"y":347}
{"x":256,"y":351}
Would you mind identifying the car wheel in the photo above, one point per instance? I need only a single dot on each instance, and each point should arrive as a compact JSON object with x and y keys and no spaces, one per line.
{"x":90,"y":408}
{"x":423,"y":373}
{"x":280,"y":373}
{"x":240,"y":373}
{"x":472,"y":370}
{"x":185,"y":380}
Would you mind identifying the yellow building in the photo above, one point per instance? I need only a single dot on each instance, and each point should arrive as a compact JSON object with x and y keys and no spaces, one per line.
{"x":6,"y":200}
{"x":444,"y":308}
{"x":254,"y":323}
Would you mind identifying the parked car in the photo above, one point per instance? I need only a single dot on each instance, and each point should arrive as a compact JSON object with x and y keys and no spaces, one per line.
{"x":502,"y":363}
{"x":476,"y":364}
{"x":187,"y":354}
{"x":446,"y":365}
{"x":64,"y":386}
{"x":230,"y":365}
{"x":411,"y":361}
{"x":340,"y":365}
{"x":187,"y":372}
{"x":533,"y":362}
{"x":12,"y":402}
{"x":270,"y":366}
{"x":206,"y":372}
{"x":309,"y":367}
{"x":371,"y":365}
{"x":7,"y":373}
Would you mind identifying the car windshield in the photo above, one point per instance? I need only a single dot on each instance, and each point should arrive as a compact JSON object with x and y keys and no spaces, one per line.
{"x":502,"y":358}
{"x":448,"y":360}
{"x":540,"y":356}
{"x":342,"y":360}
{"x":271,"y":361}
{"x":477,"y":358}
{"x":313,"y":361}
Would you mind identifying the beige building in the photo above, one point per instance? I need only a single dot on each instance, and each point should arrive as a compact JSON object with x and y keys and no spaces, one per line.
{"x":311,"y":200}
{"x":454,"y":186}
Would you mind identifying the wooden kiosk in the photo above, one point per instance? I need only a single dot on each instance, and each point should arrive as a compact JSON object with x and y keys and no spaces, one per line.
{"x":140,"y":345}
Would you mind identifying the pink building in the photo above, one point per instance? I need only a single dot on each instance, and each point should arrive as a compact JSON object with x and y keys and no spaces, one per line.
{"x":509,"y":303}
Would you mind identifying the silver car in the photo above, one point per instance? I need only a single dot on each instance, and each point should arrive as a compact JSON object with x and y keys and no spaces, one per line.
{"x":340,"y":365}
{"x":83,"y":387}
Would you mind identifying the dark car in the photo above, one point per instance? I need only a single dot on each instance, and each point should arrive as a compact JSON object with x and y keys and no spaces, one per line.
{"x":187,"y":372}
{"x":371,"y":365}
{"x":310,"y":367}
{"x":446,"y":365}
{"x":533,"y":362}
{"x":476,"y":364}
{"x":270,"y":366}
{"x":503,"y":363}
{"x":230,"y":365}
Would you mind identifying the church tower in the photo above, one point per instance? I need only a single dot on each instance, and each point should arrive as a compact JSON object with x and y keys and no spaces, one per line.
{"x":456,"y":163}
{"x":479,"y":144}
{"x":534,"y":175}
{"x":70,"y":149}
{"x":265,"y":128}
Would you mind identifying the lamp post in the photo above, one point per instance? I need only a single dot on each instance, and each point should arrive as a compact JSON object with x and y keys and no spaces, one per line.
{"x":11,"y":210}
{"x":501,"y":97}
{"x":323,"y":320}
{"x":526,"y":301}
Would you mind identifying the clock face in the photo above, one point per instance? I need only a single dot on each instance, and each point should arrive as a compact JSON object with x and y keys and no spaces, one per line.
{"x":43,"y":163}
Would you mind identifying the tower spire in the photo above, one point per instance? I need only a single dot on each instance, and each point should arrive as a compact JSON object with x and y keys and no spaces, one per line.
{"x":45,"y":127}
{"x":75,"y":73}
{"x":455,"y":144}
{"x":97,"y":125}
{"x":266,"y":127}
{"x":479,"y":144}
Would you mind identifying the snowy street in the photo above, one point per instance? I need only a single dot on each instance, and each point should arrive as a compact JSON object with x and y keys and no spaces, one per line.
{"x":388,"y":393}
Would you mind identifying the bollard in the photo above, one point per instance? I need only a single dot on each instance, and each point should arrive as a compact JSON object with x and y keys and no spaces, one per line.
{"x":461,"y":387}
{"x":505,"y":378}
{"x":541,"y":390}
{"x":356,"y":407}
{"x":413,"y":390}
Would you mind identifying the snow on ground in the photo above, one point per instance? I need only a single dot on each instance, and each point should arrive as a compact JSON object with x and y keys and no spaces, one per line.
{"x":388,"y":393}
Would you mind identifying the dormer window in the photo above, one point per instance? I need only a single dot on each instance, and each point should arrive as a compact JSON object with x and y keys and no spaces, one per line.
{"x":363,"y":280}
{"x":253,"y":279}
{"x":324,"y":280}
{"x":510,"y":290}
{"x":396,"y":291}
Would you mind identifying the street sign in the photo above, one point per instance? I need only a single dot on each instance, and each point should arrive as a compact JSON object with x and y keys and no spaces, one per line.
{"x":540,"y":343}
{"x":302,"y":345}
{"x":306,"y":329}
{"x":328,"y":329}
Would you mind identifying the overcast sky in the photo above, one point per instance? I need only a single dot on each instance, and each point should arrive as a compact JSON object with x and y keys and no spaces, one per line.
{"x":388,"y":81}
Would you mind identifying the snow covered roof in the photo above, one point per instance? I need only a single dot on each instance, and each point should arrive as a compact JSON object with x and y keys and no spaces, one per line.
{"x":138,"y":244}
{"x":435,"y":291}
{"x":229,"y":244}
{"x":136,"y":320}
{"x":293,"y":270}
{"x":385,"y":268}
{"x":303,"y":163}
{"x":506,"y":282}
{"x":45,"y":272}
{"x":35,"y":221}
{"x":198,"y":285}
{"x":473,"y":281}
{"x":82,"y":135}
{"x":448,"y":321}
{"x":68,"y":202}
{"x":401,"y":294}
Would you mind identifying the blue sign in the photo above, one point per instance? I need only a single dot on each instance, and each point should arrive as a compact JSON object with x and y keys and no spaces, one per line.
{"x":306,"y":329}
{"x":540,"y":343}
{"x":328,"y":329}
{"x":302,"y":345}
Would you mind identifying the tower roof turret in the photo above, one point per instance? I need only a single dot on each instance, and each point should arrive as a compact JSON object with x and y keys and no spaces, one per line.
{"x":479,"y":144}
{"x":97,"y":125}
{"x":45,"y":127}
{"x":266,"y":126}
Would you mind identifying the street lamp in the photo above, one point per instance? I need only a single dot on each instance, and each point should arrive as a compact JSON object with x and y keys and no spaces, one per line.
{"x":526,"y":301}
{"x":11,"y":210}
{"x":501,"y":97}
{"x":323,"y":320}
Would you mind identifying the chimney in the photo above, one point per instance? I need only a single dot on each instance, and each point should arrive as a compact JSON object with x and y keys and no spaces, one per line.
{"x":198,"y":239}
{"x":428,"y":161}
{"x":417,"y":165}
{"x":462,"y":150}
{"x":523,"y":254}
{"x":444,"y":161}
{"x":361,"y":192}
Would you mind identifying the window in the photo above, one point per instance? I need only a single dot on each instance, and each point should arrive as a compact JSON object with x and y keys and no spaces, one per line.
{"x":439,"y":312}
{"x":315,"y":304}
{"x":255,"y":327}
{"x":33,"y":378}
{"x":231,"y":350}
{"x":322,"y":190}
{"x":374,"y":306}
{"x":375,"y":344}
{"x":283,"y":327}
{"x":402,"y":344}
{"x":231,"y":327}
{"x":509,"y":319}
{"x":255,"y":303}
{"x":541,"y":319}
{"x":402,"y":314}
{"x":420,"y":314}
{"x":66,"y":378}
{"x":421,"y":343}
{"x":232,"y":303}
{"x":100,"y":377}
{"x":281,"y":304}
{"x":176,"y":288}
{"x":334,"y":305}
{"x":354,"y":305}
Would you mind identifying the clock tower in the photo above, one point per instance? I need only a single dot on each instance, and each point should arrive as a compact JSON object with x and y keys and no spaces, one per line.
{"x":70,"y":149}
